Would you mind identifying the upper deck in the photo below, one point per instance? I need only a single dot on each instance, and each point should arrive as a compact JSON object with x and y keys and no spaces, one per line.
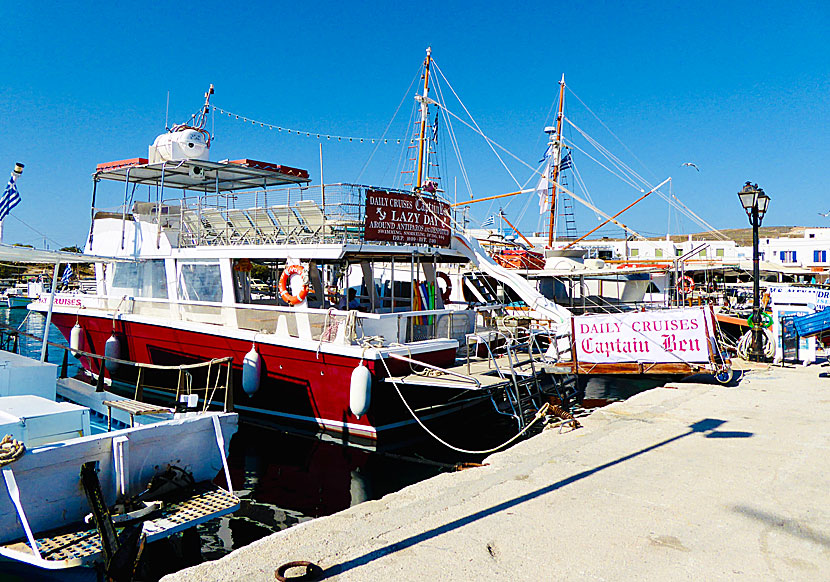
{"x":213,"y":205}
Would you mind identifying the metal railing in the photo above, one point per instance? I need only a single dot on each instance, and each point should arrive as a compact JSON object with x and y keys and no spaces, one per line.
{"x":319,"y":325}
{"x":218,"y":377}
{"x":333,"y":213}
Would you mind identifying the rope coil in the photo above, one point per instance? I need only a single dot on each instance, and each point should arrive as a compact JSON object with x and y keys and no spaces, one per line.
{"x":11,"y":450}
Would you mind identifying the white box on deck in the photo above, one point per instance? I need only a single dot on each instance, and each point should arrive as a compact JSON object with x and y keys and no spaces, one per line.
{"x":37,"y":421}
{"x":21,"y":375}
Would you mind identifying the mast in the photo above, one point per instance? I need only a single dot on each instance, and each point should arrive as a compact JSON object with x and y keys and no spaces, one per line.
{"x":424,"y":100}
{"x":556,"y":154}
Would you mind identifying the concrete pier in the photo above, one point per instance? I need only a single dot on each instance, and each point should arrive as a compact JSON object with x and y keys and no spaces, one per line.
{"x":688,"y":482}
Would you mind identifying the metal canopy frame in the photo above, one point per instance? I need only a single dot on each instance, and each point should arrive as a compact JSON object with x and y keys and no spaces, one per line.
{"x":200,"y":176}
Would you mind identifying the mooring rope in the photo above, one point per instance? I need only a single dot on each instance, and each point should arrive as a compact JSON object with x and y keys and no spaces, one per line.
{"x":539,"y":415}
{"x":11,"y":450}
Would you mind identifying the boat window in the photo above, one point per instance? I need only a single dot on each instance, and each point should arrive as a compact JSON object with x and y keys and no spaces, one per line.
{"x":142,"y":279}
{"x":200,"y":282}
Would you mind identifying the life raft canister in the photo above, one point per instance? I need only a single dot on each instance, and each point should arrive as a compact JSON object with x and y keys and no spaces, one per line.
{"x":285,"y":278}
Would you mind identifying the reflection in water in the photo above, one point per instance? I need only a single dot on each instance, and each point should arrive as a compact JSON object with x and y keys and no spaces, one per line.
{"x":32,"y":323}
{"x":285,"y":479}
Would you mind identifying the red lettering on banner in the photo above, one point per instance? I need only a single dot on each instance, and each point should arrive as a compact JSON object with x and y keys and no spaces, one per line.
{"x":70,"y":302}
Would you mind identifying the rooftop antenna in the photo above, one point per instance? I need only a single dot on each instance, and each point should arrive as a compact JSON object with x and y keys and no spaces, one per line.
{"x":206,"y":109}
{"x":167,"y":112}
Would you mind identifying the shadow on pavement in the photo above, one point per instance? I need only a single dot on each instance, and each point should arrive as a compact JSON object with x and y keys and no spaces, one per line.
{"x":707,"y":427}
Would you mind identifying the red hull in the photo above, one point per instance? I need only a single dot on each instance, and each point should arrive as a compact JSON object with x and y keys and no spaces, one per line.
{"x":297,"y":387}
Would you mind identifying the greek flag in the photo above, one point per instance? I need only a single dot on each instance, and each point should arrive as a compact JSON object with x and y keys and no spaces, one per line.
{"x":67,"y":275}
{"x":566,"y":162}
{"x":489,"y":221}
{"x":10,"y":198}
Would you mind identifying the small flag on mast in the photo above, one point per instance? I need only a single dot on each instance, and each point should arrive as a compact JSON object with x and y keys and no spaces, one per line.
{"x":489,"y":221}
{"x":566,"y":162}
{"x":11,"y":197}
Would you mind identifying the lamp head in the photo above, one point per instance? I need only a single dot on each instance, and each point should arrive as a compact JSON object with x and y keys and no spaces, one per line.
{"x":750,"y":196}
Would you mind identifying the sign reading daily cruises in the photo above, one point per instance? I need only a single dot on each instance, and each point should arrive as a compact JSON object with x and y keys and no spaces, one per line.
{"x":406,"y":218}
{"x":671,"y":336}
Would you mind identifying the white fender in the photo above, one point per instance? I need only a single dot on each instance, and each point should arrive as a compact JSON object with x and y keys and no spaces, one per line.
{"x":251,"y":369}
{"x":360,"y":390}
{"x":112,"y":349}
{"x":75,"y":339}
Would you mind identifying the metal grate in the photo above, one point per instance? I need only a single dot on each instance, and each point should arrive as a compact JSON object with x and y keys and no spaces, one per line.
{"x":85,"y":546}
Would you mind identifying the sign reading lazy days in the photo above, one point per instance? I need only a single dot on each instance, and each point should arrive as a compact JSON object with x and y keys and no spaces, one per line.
{"x":672,"y":336}
{"x":405,"y":218}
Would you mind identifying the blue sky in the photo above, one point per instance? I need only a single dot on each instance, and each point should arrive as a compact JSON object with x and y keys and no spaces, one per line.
{"x":739,"y":88}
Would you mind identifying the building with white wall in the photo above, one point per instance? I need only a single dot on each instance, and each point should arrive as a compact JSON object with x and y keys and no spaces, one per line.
{"x":812,"y":250}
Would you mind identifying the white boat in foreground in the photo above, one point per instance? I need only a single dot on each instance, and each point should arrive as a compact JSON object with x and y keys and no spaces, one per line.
{"x":43,"y":484}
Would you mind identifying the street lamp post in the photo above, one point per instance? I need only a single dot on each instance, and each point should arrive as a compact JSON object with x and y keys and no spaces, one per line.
{"x":755,"y":203}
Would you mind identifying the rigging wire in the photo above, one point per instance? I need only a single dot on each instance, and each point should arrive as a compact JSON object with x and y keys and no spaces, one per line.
{"x":400,"y":169}
{"x":33,"y":229}
{"x":611,"y":132}
{"x":628,"y":180}
{"x":388,"y":125}
{"x":453,"y":139}
{"x":464,"y":107}
{"x":673,"y":200}
{"x":308,"y":133}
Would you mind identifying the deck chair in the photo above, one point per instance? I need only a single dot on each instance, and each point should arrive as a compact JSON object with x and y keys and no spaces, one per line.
{"x":288,"y":222}
{"x":267,"y":230}
{"x":219,"y":225}
{"x":243,"y":230}
{"x":313,"y":218}
{"x":194,"y":231}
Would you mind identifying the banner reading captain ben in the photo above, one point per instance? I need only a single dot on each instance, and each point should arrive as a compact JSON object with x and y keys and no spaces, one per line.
{"x":405,"y":218}
{"x":670,"y":336}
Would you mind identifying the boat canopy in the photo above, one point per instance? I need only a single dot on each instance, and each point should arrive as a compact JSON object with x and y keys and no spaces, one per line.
{"x":202,"y":175}
{"x":17,"y":254}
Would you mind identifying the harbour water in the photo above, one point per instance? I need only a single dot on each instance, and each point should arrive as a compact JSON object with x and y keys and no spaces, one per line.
{"x":285,"y":479}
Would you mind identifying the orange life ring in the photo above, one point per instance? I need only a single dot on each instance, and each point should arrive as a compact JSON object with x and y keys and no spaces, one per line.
{"x":688,"y":284}
{"x":284,"y":278}
{"x":445,"y":294}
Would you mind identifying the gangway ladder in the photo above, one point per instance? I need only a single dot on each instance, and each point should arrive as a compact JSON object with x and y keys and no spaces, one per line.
{"x":481,"y":288}
{"x":523,"y":396}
